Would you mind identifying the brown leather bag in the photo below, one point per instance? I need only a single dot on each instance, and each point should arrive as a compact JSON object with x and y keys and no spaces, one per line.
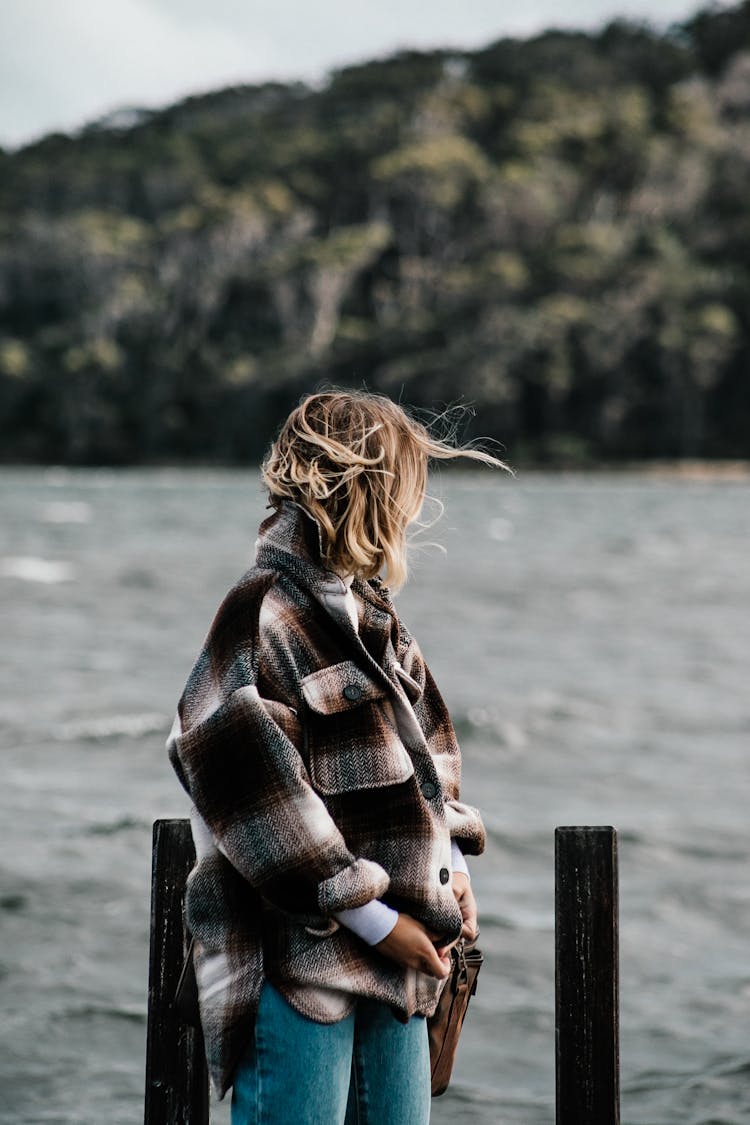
{"x":444,"y":1027}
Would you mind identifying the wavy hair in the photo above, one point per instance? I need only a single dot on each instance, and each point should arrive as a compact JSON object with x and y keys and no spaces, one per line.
{"x":357,"y":462}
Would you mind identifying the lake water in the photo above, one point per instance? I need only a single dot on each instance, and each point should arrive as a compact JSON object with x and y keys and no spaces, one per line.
{"x":590,"y":634}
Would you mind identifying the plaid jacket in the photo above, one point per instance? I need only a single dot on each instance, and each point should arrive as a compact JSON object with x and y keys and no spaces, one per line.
{"x":308,"y":797}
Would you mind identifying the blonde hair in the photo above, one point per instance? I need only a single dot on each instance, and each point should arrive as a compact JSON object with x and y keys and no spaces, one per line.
{"x":357,"y":462}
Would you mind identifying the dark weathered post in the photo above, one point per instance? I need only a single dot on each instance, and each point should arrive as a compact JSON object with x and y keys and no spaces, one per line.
{"x":586,"y":977}
{"x":176,"y":1076}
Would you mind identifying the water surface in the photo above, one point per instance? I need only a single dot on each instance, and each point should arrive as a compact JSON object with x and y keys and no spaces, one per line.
{"x":590,"y":636}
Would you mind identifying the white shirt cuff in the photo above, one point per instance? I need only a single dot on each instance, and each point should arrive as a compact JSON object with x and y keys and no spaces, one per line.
{"x":458,"y":861}
{"x":372,"y":922}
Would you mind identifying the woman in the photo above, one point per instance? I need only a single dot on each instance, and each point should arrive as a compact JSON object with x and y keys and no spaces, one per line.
{"x":324,"y":771}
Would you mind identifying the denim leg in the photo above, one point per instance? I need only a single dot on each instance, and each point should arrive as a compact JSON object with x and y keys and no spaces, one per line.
{"x":295,"y":1070}
{"x":391,"y":1069}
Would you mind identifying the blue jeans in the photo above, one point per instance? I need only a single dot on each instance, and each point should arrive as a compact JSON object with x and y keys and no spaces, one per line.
{"x":367,"y":1069}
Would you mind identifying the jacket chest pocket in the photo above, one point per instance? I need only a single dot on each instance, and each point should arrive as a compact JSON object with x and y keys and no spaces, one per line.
{"x":350,"y":741}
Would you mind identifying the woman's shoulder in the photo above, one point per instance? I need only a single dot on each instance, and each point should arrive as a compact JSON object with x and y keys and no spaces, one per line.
{"x":236,"y":618}
{"x":248,"y":591}
{"x":261,"y":608}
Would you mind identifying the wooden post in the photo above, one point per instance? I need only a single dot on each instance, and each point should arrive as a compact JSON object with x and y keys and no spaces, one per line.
{"x":176,"y":1075}
{"x":586,"y":977}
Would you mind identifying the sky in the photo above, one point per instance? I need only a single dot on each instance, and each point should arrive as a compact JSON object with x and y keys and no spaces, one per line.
{"x":66,"y":62}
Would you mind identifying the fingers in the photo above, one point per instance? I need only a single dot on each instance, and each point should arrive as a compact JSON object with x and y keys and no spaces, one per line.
{"x":468,"y":906}
{"x":434,"y":964}
{"x":460,"y":884}
{"x":444,"y":950}
{"x":432,"y":960}
{"x":469,"y":928}
{"x":410,"y":944}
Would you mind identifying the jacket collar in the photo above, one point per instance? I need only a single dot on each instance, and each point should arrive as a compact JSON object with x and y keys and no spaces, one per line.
{"x":291,"y":530}
{"x":291,"y":540}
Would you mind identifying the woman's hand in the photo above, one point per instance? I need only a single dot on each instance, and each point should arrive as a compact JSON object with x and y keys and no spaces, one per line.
{"x":467,"y":903}
{"x":409,"y":944}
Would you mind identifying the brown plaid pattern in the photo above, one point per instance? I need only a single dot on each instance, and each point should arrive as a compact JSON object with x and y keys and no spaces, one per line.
{"x":307,"y":799}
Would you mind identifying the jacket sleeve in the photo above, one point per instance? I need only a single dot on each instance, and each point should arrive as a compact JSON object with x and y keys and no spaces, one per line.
{"x":237,"y":756}
{"x":466,"y":827}
{"x":245,"y":776}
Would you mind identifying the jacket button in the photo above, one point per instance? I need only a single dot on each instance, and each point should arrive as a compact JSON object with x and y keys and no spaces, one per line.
{"x":429,"y":790}
{"x":352,"y":692}
{"x":444,"y":875}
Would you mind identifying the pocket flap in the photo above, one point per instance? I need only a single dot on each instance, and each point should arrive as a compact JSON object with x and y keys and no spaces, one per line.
{"x":355,"y":746}
{"x":340,"y":687}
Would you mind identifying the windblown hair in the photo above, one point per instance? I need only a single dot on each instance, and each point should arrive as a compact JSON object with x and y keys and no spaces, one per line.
{"x":357,"y":463}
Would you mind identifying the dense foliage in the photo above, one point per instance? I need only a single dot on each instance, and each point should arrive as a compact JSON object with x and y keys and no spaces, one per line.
{"x":555,"y":229}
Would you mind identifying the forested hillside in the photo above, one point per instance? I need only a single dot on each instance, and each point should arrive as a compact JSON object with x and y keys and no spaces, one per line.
{"x":554,"y":229}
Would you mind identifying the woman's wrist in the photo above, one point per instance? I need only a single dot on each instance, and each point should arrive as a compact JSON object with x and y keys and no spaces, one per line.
{"x":371,"y":922}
